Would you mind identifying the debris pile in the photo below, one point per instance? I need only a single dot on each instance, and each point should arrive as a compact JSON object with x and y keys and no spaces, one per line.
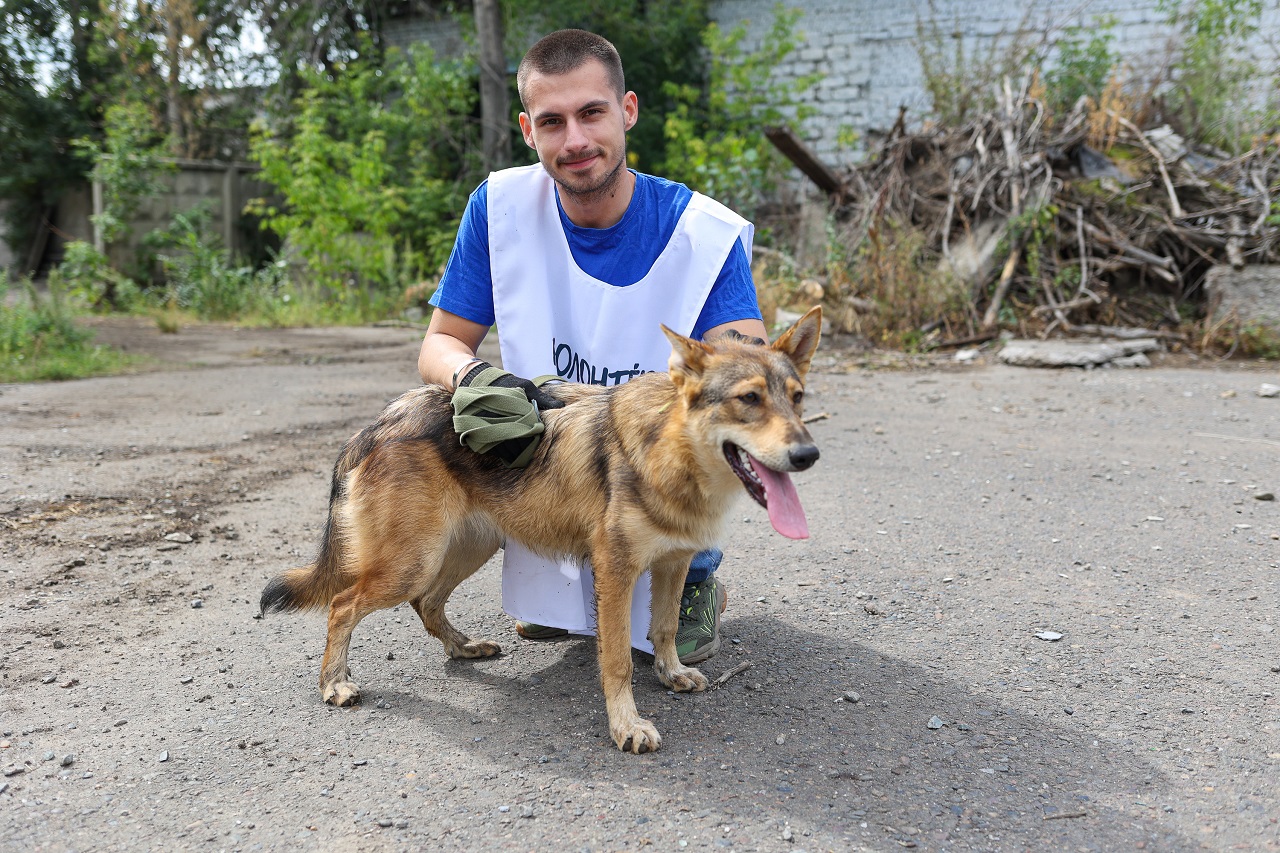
{"x":1049,"y":234}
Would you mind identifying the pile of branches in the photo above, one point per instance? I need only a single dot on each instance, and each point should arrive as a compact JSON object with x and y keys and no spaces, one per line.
{"x":1049,"y":233}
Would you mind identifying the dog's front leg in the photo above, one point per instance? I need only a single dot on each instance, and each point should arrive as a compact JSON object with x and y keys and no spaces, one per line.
{"x":615,"y":578}
{"x":666,"y":581}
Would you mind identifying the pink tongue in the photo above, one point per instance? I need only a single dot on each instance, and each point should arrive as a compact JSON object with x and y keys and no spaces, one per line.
{"x":785,"y":513}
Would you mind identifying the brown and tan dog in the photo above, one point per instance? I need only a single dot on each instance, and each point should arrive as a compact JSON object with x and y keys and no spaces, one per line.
{"x":653,"y":467}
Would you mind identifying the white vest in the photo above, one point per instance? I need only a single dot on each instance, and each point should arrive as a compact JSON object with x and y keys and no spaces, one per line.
{"x":553,"y":318}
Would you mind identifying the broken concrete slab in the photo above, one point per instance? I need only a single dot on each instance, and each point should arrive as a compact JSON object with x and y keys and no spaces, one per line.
{"x":1249,"y":296}
{"x":1060,"y":353}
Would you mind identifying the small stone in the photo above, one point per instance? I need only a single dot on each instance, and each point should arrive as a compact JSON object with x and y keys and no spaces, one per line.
{"x":851,"y":697}
{"x":936,"y":723}
{"x":49,"y":756}
{"x":164,"y":756}
{"x":68,"y":760}
{"x":402,"y":824}
{"x":179,"y":537}
{"x":384,"y":822}
{"x":1266,"y":389}
{"x":49,"y":679}
{"x":197,"y":603}
{"x":186,"y":679}
{"x":526,"y":811}
{"x":14,"y":770}
{"x":780,"y":740}
{"x":58,"y":644}
{"x":1049,"y":636}
{"x":1265,"y":496}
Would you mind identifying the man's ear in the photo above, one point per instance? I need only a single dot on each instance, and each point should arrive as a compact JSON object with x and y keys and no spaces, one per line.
{"x":688,"y":357}
{"x":526,"y":127}
{"x":630,"y":110}
{"x":800,"y":341}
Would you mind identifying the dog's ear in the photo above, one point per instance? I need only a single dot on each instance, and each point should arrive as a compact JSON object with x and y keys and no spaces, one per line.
{"x":800,"y":341}
{"x":688,"y":357}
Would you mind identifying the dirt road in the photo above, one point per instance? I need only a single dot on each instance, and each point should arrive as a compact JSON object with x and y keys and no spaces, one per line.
{"x":1038,"y":611}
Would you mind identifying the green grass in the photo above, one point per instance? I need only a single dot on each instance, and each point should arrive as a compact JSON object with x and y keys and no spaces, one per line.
{"x":40,"y":340}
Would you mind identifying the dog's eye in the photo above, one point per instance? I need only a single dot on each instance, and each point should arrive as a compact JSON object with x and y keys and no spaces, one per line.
{"x":750,"y":398}
{"x":797,"y":397}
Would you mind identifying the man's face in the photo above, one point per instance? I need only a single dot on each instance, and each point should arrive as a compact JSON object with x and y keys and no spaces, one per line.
{"x":578,"y":126}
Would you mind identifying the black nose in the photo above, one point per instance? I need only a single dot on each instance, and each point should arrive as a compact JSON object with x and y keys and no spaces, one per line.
{"x":802,"y":458}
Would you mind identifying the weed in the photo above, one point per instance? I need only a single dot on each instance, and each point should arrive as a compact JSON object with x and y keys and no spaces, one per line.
{"x":40,"y":340}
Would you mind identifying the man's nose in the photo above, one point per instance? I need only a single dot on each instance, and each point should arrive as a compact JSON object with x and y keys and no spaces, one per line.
{"x":575,"y":138}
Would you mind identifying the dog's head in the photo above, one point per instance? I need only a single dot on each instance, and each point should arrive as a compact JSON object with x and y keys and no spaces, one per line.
{"x":745,"y":399}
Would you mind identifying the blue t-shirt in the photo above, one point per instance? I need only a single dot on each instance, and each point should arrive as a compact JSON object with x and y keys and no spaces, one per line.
{"x":620,"y":255}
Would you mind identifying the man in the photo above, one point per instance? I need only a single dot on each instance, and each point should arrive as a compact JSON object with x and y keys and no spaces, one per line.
{"x":578,"y":259}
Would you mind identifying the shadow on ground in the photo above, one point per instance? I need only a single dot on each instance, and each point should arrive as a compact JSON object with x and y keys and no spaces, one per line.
{"x":774,"y":747}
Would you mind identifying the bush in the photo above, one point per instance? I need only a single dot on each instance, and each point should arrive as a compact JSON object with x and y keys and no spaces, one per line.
{"x":372,"y":172}
{"x":715,"y":136}
{"x":39,"y":338}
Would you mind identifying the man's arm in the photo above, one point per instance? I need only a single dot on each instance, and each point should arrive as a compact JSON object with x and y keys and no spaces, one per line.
{"x":749,"y":327}
{"x":450,"y":343}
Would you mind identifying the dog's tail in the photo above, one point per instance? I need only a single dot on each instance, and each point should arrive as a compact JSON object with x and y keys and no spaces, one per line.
{"x":309,"y":587}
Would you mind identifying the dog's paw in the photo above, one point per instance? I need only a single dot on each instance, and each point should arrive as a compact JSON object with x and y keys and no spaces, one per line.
{"x":475,"y":649}
{"x":636,"y":736}
{"x":341,"y":693}
{"x":681,"y":678}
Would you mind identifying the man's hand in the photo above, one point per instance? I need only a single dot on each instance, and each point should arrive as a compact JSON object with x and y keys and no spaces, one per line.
{"x":509,"y":380}
{"x":507,"y":428}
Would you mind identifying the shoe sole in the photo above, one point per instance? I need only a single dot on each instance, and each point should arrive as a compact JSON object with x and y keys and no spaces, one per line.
{"x":545,"y":633}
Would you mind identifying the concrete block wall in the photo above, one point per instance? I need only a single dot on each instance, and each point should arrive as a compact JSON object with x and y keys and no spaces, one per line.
{"x":867,"y":50}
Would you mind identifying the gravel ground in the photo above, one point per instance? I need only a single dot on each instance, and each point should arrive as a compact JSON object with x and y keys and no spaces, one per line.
{"x":1037,"y":612}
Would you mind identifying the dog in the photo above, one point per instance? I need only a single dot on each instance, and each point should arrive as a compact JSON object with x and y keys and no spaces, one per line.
{"x":653,"y":467}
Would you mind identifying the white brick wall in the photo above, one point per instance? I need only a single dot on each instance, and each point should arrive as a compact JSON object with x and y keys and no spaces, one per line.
{"x":867,"y":49}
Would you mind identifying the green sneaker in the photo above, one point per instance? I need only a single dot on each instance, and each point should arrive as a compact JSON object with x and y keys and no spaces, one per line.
{"x":531,"y":631}
{"x":698,"y":636}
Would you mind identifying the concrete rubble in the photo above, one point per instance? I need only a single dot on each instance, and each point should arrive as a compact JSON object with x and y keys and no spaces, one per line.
{"x":1065,"y":353}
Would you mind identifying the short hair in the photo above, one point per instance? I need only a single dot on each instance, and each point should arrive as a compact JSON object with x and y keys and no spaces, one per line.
{"x":568,"y":50}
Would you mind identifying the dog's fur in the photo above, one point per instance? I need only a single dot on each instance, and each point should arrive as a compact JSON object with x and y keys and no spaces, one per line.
{"x":633,"y":477}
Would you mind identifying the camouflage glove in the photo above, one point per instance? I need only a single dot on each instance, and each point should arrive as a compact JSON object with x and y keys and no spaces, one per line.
{"x":497,"y":412}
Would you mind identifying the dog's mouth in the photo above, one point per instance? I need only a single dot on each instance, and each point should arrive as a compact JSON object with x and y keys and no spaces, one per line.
{"x":772,"y":489}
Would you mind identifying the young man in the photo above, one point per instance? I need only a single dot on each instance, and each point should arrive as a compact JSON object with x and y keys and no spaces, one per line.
{"x":578,"y":259}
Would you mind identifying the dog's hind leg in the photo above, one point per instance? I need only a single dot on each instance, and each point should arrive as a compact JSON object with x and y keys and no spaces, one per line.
{"x":345,"y":612}
{"x":467,"y":553}
{"x":666,"y":581}
{"x":615,"y":580}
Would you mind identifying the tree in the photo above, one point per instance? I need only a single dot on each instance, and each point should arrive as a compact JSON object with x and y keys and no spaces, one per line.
{"x":495,"y":98}
{"x":44,"y":104}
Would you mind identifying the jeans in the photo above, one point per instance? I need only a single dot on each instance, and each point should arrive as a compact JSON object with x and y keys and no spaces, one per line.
{"x":704,"y":565}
